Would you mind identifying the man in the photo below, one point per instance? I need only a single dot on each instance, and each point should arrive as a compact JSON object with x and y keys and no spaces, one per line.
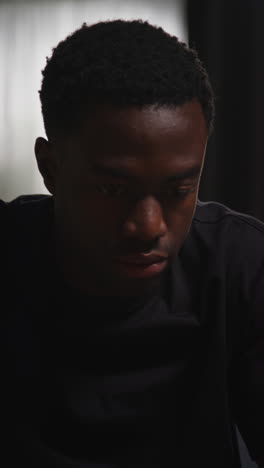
{"x":133,"y":330}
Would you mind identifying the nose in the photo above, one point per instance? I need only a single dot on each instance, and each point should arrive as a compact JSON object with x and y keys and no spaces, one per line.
{"x":145,"y":221}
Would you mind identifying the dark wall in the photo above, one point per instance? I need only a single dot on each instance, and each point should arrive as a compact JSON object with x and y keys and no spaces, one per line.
{"x":229,"y":36}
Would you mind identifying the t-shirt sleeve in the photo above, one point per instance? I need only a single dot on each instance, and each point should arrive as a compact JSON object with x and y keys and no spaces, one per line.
{"x":247,"y":372}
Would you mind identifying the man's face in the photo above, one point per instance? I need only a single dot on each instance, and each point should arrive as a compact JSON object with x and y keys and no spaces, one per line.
{"x":125,"y":194}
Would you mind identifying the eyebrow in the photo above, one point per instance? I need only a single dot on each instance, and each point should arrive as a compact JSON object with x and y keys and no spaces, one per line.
{"x":101,"y":169}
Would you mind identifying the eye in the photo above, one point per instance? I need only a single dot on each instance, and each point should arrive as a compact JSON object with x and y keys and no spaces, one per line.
{"x":177,"y":192}
{"x":111,"y":190}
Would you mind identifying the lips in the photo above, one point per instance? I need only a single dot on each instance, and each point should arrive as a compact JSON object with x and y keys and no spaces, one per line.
{"x":143,"y":265}
{"x":143,"y":259}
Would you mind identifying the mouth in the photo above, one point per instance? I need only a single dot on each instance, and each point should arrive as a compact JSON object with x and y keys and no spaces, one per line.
{"x":143,"y":265}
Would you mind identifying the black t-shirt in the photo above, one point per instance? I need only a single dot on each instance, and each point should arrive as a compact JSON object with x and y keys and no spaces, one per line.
{"x":160,"y":381}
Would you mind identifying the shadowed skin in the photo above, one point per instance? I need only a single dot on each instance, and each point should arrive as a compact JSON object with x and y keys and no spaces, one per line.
{"x":126,"y":182}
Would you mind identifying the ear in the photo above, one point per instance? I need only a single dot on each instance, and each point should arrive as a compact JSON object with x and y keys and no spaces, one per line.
{"x":47,"y":163}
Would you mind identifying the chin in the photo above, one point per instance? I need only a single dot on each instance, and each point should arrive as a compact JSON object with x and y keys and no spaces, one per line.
{"x":138,"y":286}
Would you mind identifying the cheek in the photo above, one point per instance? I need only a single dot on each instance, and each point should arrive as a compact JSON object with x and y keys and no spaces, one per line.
{"x":179,"y":220}
{"x":86,"y":218}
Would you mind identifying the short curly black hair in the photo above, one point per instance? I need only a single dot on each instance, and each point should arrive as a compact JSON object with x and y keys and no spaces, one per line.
{"x":120,"y":63}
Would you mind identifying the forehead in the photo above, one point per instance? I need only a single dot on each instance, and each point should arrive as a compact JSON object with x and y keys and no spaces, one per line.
{"x":146,"y":122}
{"x":134,"y":136}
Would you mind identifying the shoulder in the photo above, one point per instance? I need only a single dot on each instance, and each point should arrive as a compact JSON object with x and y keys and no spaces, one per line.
{"x":225,"y":242}
{"x":216,"y":224}
{"x":25,"y":223}
{"x":23,"y":203}
{"x":213,"y":213}
{"x":24,"y":210}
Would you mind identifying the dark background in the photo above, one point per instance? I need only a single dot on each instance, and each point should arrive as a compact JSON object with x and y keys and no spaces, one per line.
{"x":229,"y":36}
